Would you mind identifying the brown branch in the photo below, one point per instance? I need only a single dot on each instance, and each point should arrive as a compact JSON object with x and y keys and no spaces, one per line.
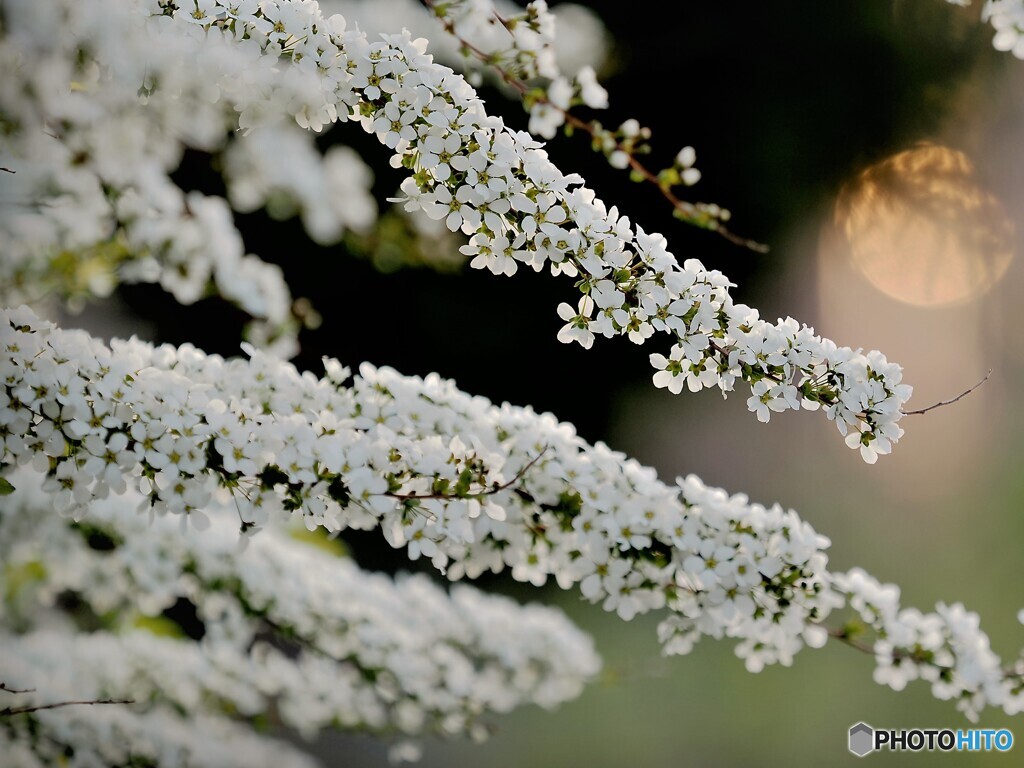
{"x":11,"y":711}
{"x":688,"y":211}
{"x":5,"y":687}
{"x":489,"y":492}
{"x":949,"y":402}
{"x":6,"y":170}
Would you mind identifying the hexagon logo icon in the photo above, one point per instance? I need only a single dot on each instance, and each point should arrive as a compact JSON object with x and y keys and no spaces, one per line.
{"x":862,"y":739}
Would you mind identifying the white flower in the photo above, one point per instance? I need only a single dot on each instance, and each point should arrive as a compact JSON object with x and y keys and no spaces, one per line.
{"x":592,"y":92}
{"x":560,"y":93}
{"x":458,"y":211}
{"x":201,"y":12}
{"x":870,"y":445}
{"x":545,"y":120}
{"x":630,"y":128}
{"x":670,"y":371}
{"x":618,"y":159}
{"x":577,"y":325}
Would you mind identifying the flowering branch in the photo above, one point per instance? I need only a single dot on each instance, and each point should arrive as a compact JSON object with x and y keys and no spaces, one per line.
{"x":181,"y":424}
{"x":498,"y":186}
{"x":258,"y":608}
{"x":179,"y":714}
{"x":945,"y":648}
{"x":847,"y":635}
{"x":620,"y":147}
{"x":96,"y":142}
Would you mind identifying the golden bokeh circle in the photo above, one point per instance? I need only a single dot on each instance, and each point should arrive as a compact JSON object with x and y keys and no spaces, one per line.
{"x":922,"y":230}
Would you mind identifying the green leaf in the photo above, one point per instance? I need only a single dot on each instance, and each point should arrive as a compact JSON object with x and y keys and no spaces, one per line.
{"x":463,"y":482}
{"x":669,"y":177}
{"x":6,"y":489}
{"x":160,"y":626}
{"x":16,"y":577}
{"x":320,"y":539}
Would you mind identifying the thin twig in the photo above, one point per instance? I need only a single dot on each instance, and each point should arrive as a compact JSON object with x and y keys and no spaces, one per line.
{"x":686,"y":209}
{"x":6,"y":170}
{"x":949,"y":402}
{"x":287,"y":633}
{"x":11,"y":711}
{"x":489,"y":492}
{"x":897,"y":653}
{"x":5,"y":687}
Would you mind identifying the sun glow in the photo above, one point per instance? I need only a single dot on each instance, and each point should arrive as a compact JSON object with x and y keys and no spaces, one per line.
{"x":922,"y":230}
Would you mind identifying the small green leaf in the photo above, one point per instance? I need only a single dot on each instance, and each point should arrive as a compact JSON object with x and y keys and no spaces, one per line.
{"x":320,"y":539}
{"x":462,"y":484}
{"x":6,"y":489}
{"x":669,"y":177}
{"x":159,"y":626}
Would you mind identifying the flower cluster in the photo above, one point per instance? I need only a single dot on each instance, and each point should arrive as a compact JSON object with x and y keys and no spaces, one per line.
{"x":99,"y":103}
{"x":452,"y":478}
{"x":468,"y":170}
{"x":169,"y":722}
{"x":524,"y":51}
{"x":523,"y":58}
{"x":1007,"y":18}
{"x":580,"y":41}
{"x":471,"y":486}
{"x":945,"y":648}
{"x":500,"y":188}
{"x":280,"y":168}
{"x":285,"y":621}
